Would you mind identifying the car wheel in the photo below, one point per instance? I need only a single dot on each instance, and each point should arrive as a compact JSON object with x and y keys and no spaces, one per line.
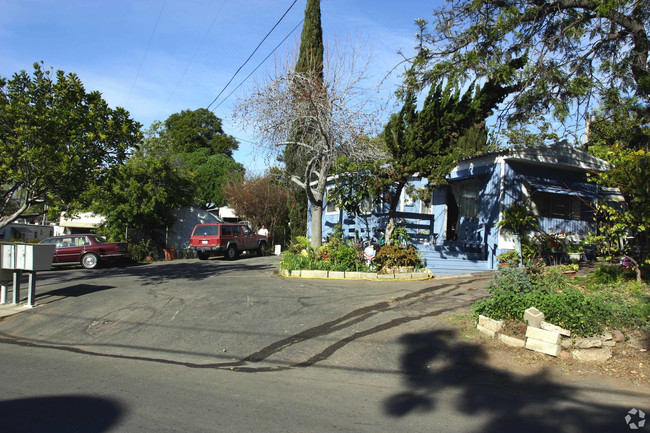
{"x":89,"y":260}
{"x":203,"y":256}
{"x":262,"y":250}
{"x":231,"y":252}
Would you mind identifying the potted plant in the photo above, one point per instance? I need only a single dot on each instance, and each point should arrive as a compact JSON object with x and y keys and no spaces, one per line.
{"x":516,"y":219}
{"x":575,"y":251}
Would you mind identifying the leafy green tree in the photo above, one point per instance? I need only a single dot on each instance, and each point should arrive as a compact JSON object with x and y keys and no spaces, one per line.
{"x":576,"y":51}
{"x":195,"y":142}
{"x":430,"y":141}
{"x":193,"y":130}
{"x":140,"y":198}
{"x":56,"y":141}
{"x":619,"y":134}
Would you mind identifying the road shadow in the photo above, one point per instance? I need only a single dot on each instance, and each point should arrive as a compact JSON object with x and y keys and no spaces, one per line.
{"x":59,"y":414}
{"x":436,"y":363}
{"x":74,"y":291}
{"x":150,"y":273}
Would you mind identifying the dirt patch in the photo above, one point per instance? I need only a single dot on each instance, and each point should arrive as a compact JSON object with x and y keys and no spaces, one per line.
{"x":627,"y":365}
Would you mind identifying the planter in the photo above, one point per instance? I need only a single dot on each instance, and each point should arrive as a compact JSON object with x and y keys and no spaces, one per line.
{"x":575,"y":257}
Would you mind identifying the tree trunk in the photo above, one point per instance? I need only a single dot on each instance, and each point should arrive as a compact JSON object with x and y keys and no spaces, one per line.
{"x":390,"y":227}
{"x":316,"y":225}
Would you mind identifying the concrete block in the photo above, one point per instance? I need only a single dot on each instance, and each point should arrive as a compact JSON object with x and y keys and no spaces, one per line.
{"x":353,"y":275}
{"x":313,"y":274}
{"x":494,"y":325}
{"x":336,"y":274}
{"x":404,"y":276}
{"x":490,"y":333}
{"x":543,"y":347}
{"x":550,"y":327}
{"x":368,"y":275}
{"x":512,"y":341}
{"x":592,"y":355}
{"x":588,"y":343}
{"x":295,"y":273}
{"x":533,"y":317}
{"x":543,"y":335}
{"x":385,"y":276}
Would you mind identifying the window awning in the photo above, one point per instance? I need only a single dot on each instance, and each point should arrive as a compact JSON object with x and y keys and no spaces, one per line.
{"x":23,"y":230}
{"x":564,"y":187}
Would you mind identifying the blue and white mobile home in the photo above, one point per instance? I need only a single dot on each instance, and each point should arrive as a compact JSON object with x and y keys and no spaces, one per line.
{"x":457,"y":231}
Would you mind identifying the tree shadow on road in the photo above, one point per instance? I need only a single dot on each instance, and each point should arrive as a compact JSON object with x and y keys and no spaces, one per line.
{"x":436,"y":363}
{"x":60,"y":414}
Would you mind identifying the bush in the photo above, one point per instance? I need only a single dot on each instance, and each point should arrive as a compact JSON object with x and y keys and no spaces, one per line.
{"x":512,"y":291}
{"x":510,"y":258}
{"x":390,"y":256}
{"x":335,"y":255}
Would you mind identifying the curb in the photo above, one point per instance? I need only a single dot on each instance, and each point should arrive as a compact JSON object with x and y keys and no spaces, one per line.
{"x":423,"y":275}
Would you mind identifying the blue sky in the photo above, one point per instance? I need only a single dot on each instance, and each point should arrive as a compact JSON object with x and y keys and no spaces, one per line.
{"x":158,"y":57}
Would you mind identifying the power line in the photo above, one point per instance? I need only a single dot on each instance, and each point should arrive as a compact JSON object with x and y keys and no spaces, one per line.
{"x":259,"y":65}
{"x":146,"y":51}
{"x":214,"y":20}
{"x":252,"y":54}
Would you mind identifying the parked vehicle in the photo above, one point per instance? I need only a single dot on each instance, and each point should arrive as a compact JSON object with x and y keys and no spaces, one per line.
{"x":88,"y":249}
{"x":226,"y":239}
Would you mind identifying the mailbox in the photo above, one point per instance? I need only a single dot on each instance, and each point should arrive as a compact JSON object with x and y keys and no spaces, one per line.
{"x":27,"y":257}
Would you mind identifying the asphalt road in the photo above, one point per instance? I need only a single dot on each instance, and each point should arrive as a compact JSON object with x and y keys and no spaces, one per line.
{"x":218,"y":346}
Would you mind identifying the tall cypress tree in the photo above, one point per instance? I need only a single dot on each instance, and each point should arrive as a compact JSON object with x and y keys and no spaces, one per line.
{"x":310,"y":61}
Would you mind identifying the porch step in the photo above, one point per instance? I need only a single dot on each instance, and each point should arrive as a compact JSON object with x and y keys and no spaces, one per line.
{"x":441,"y":266}
{"x":450,"y":252}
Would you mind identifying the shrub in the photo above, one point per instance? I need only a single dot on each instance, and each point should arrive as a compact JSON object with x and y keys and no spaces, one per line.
{"x":390,"y":256}
{"x":335,"y":255}
{"x":512,"y":291}
{"x":510,"y":258}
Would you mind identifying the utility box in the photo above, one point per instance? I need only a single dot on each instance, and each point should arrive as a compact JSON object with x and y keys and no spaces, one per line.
{"x":27,"y":257}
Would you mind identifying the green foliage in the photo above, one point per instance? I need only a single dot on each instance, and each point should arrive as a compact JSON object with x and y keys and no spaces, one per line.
{"x":510,"y":258}
{"x":335,"y":255}
{"x":476,"y":39}
{"x":584,"y":312}
{"x":141,"y":196}
{"x":195,"y":130}
{"x":194,"y":142}
{"x":310,"y":57}
{"x":518,"y":218}
{"x":400,"y":237}
{"x":391,"y":256}
{"x":211,"y":173}
{"x":56,"y":141}
{"x":140,"y":250}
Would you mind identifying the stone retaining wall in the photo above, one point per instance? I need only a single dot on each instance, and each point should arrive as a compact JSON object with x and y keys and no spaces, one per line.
{"x":550,"y":339}
{"x":423,"y":274}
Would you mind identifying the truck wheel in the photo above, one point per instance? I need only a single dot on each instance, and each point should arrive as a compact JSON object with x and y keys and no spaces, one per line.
{"x":231,"y":252}
{"x":203,"y":256}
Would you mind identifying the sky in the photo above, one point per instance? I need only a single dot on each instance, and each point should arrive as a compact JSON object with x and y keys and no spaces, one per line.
{"x":159,"y":57}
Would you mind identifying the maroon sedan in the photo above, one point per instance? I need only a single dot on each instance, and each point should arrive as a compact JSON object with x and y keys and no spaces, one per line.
{"x":89,"y":250}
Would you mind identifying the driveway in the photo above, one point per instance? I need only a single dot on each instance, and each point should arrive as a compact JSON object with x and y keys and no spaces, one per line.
{"x":232,"y":314}
{"x":207,"y":346}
